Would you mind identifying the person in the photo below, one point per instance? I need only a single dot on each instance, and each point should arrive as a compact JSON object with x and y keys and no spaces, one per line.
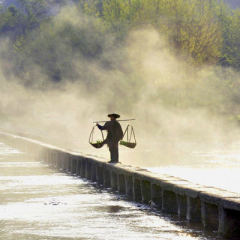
{"x":114,"y":135}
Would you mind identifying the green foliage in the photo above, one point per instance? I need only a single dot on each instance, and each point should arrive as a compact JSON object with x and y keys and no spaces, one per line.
{"x":15,"y":22}
{"x":231,"y":32}
{"x":206,"y":31}
{"x":192,"y":26}
{"x":201,"y":32}
{"x":195,"y":30}
{"x":54,"y":46}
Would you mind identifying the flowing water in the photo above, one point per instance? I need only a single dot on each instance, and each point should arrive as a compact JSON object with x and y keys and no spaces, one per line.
{"x":38,"y":203}
{"x":219,"y":169}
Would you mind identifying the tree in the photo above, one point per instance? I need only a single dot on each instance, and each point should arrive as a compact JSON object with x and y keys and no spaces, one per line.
{"x":231,"y":34}
{"x":190,"y":25}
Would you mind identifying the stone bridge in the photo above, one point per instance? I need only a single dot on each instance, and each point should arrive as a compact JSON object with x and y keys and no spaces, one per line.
{"x":215,"y":209}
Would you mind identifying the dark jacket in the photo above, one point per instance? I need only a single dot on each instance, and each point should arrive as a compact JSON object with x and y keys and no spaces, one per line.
{"x":114,"y":131}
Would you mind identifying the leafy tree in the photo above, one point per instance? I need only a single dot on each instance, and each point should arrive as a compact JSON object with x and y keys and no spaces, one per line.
{"x":191,"y":25}
{"x":17,"y":21}
{"x":231,"y":38}
{"x":196,"y":31}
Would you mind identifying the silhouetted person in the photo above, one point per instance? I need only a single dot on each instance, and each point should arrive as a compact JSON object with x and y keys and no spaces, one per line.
{"x":114,"y":135}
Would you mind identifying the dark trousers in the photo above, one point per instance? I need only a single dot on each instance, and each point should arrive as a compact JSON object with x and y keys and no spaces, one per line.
{"x":113,"y":148}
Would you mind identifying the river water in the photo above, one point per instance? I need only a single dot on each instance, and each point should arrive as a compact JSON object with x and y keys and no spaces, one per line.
{"x":38,"y":203}
{"x":219,"y":168}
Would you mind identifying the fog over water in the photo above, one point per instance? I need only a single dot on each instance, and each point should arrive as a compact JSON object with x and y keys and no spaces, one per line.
{"x":174,"y":103}
{"x":39,"y":203}
{"x":183,"y":128}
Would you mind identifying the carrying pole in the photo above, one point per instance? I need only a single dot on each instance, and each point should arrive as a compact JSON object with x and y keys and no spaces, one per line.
{"x":124,"y":120}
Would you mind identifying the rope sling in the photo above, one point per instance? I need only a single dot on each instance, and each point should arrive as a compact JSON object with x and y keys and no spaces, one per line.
{"x":128,"y":134}
{"x":98,"y":143}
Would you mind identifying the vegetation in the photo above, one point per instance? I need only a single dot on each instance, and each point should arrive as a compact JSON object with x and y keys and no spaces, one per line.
{"x":206,"y":32}
{"x":51,"y":44}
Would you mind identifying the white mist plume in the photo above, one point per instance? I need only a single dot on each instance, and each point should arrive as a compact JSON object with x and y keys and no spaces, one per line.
{"x":171,"y":100}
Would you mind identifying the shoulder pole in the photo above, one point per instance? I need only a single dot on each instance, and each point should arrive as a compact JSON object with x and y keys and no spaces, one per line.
{"x":124,"y":120}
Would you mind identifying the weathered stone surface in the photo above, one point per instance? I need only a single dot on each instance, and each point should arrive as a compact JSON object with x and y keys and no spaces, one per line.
{"x":231,"y":203}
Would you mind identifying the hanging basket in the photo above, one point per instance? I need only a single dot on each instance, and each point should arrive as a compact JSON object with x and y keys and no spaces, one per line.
{"x":128,"y":144}
{"x":129,"y":133}
{"x":98,"y":143}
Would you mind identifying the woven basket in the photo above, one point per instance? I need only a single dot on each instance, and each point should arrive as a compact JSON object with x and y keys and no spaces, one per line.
{"x":97,"y":145}
{"x":128,"y":144}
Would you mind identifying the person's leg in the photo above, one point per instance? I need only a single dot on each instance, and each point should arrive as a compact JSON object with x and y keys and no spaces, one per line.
{"x":115,"y":153}
{"x":111,"y":154}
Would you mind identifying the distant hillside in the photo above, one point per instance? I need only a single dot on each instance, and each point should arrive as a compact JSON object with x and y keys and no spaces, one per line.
{"x":10,"y":2}
{"x":233,"y":3}
{"x":46,"y":7}
{"x":50,"y":3}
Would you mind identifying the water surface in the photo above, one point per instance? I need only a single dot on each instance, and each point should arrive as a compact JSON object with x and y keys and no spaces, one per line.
{"x":39,"y":203}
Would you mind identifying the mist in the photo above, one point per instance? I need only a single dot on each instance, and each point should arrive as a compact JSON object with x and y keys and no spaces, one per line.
{"x":179,"y":108}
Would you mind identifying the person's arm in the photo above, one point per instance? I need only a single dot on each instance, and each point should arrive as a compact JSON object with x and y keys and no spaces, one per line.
{"x":104,"y":127}
{"x":99,"y":126}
